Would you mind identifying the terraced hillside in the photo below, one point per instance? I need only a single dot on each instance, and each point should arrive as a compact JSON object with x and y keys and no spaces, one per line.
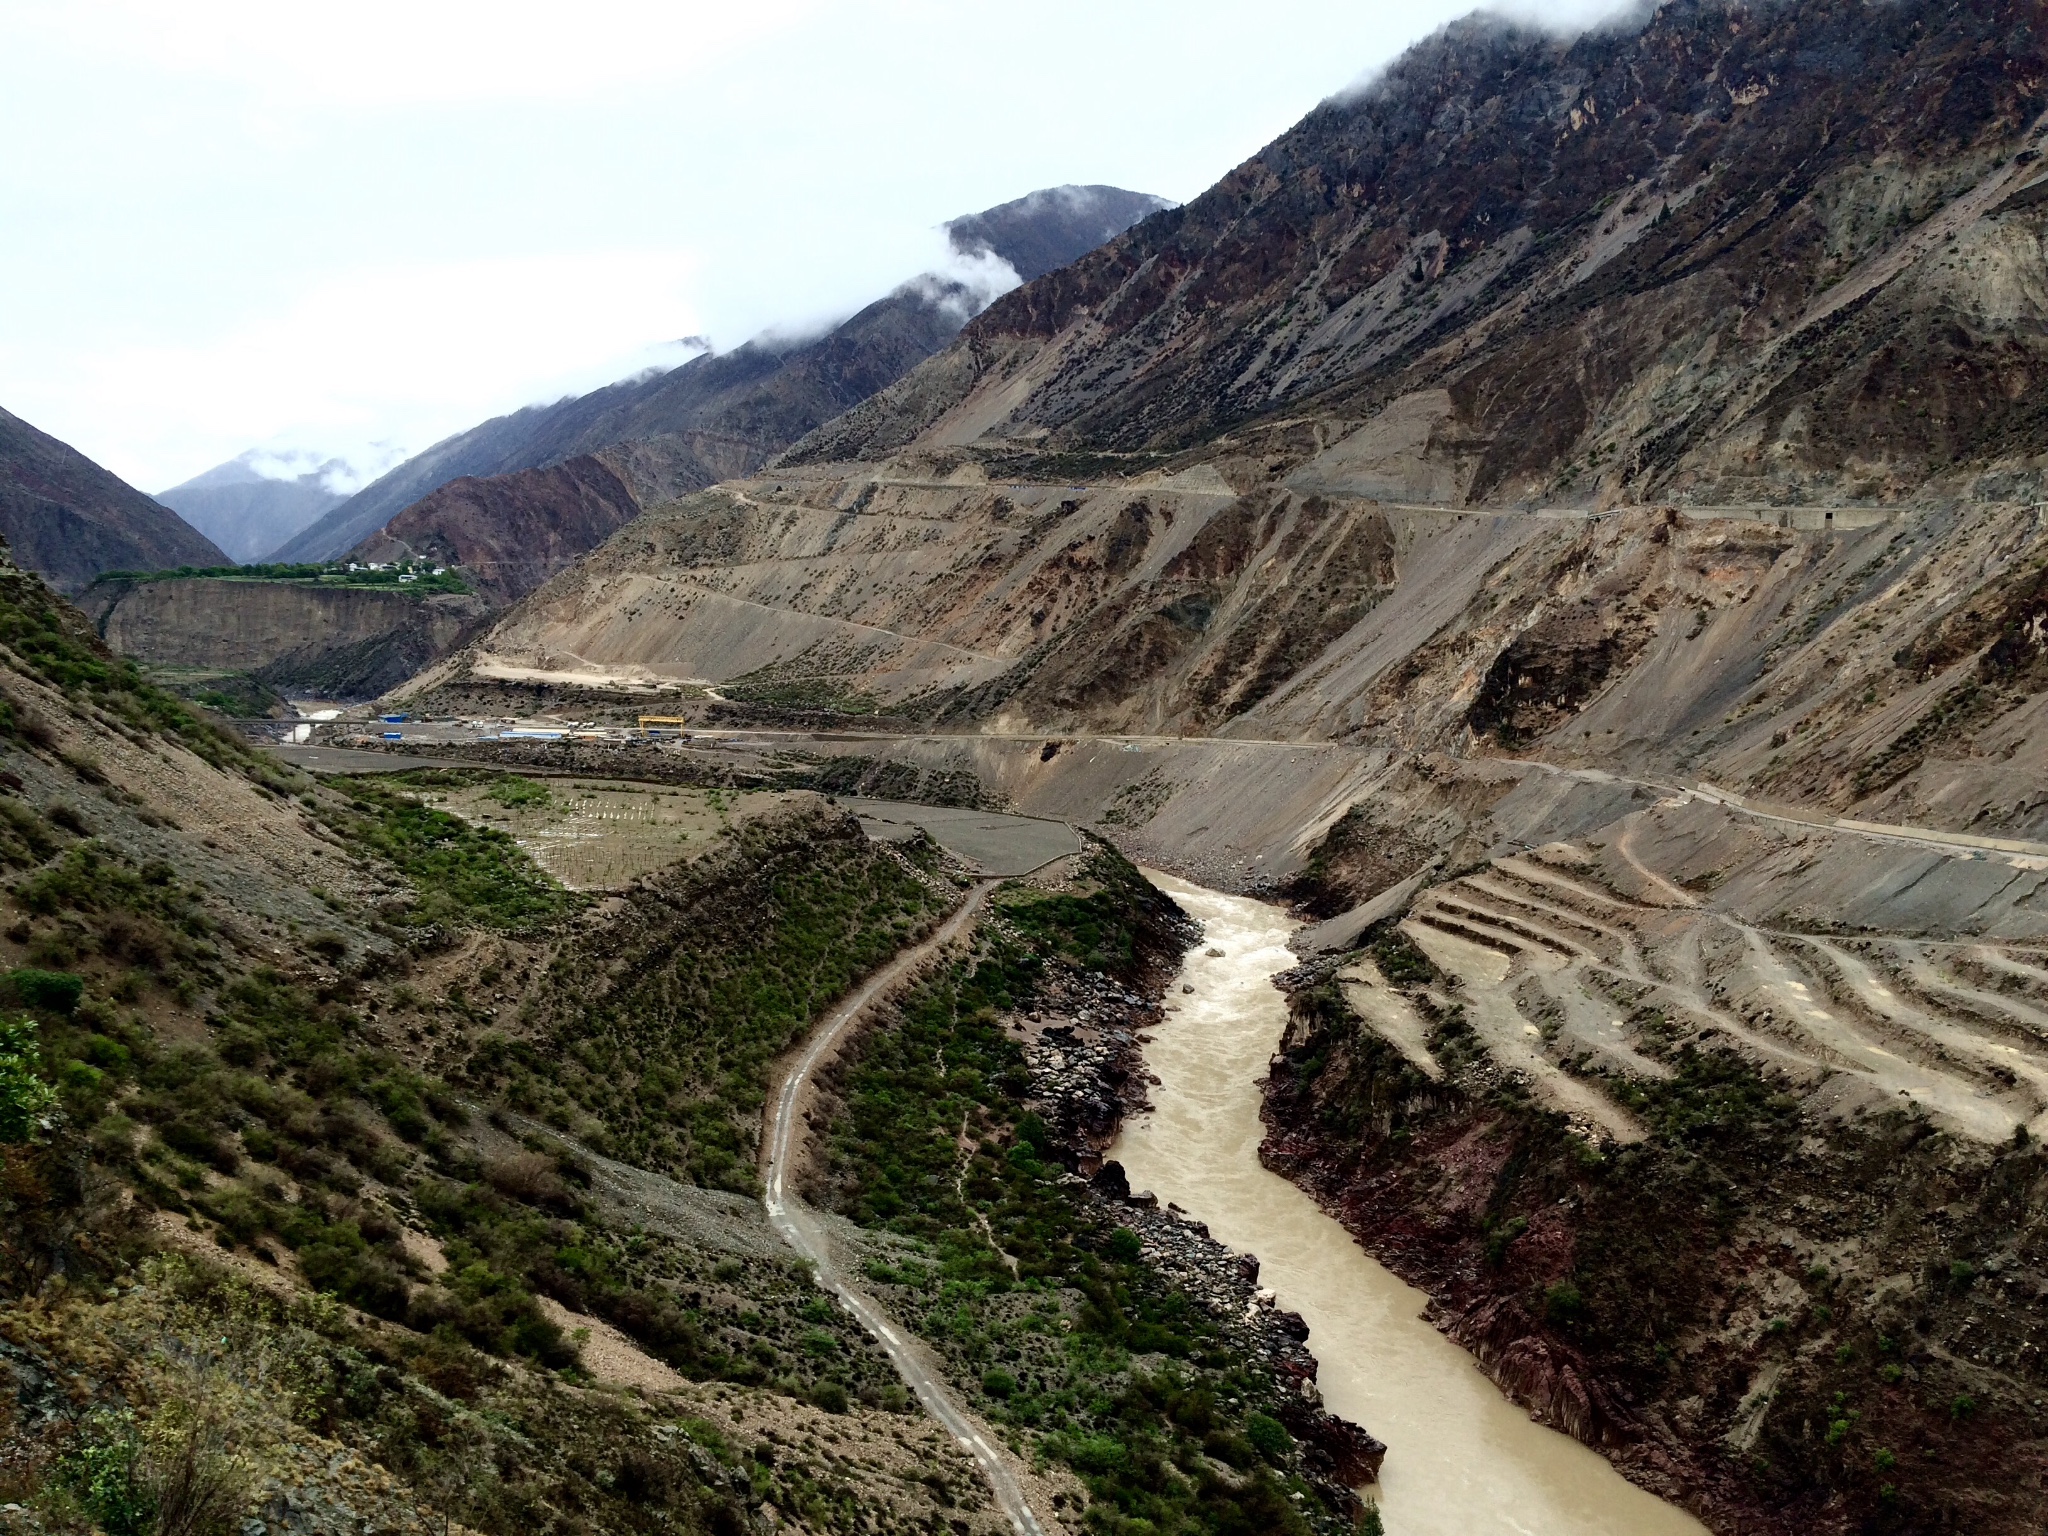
{"x":1554,"y":958}
{"x":1738,"y":1182}
{"x":1891,"y":665}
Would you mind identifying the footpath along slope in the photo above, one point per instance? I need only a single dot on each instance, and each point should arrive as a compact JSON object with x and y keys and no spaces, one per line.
{"x":799,"y":1226}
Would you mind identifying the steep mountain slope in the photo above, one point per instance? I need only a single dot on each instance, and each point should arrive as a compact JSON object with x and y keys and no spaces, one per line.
{"x":1735,"y":254}
{"x":69,"y":520}
{"x":1570,"y":519}
{"x":1756,"y":654}
{"x":721,"y":414}
{"x":249,"y":513}
{"x":1299,"y":576}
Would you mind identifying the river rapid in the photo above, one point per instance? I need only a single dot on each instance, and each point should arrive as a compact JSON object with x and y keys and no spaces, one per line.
{"x":1461,"y":1459}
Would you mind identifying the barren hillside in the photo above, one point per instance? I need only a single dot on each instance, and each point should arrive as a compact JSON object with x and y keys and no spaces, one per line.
{"x":1737,"y":253}
{"x":1890,"y":665}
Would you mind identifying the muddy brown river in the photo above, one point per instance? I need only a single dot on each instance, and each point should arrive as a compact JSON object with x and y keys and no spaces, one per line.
{"x":1461,"y":1459}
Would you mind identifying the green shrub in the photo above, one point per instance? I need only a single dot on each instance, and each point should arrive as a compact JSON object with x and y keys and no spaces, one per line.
{"x":1268,"y":1435}
{"x":513,"y":791}
{"x":103,"y":1471}
{"x":49,"y":991}
{"x":1500,"y":1237}
{"x":54,"y":642}
{"x":1097,"y":1454}
{"x":1562,"y":1303}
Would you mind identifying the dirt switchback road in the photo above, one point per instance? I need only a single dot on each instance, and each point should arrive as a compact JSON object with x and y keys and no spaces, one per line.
{"x":799,"y":1226}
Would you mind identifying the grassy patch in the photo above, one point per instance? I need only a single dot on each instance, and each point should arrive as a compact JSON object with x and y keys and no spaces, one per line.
{"x":1079,"y":1349}
{"x":465,"y":875}
{"x":655,"y":1033}
{"x":416,"y":577}
{"x":512,"y":791}
{"x":1109,"y":920}
{"x":823,"y":694}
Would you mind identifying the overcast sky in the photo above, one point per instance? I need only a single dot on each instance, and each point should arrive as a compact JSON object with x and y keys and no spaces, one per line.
{"x":239,"y":223}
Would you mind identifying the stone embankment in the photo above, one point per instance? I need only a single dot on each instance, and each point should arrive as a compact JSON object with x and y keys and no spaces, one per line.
{"x":1083,"y":1044}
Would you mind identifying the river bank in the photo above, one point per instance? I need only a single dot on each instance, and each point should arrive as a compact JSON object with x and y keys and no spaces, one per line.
{"x":1106,"y":1368}
{"x":1083,"y":1040}
{"x":1461,"y":1459}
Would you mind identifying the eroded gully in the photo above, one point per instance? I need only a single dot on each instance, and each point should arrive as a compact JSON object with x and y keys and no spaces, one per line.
{"x":1461,"y":1459}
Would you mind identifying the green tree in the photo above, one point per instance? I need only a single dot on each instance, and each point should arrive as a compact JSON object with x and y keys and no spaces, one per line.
{"x":104,"y":1470}
{"x":24,"y":1097}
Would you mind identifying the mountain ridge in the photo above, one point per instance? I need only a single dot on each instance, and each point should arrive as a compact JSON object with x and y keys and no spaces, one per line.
{"x":1679,"y":259}
{"x":248,"y":512}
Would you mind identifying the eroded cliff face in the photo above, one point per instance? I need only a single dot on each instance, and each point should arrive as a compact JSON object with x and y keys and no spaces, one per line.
{"x":1734,"y":253}
{"x":1889,"y":665}
{"x":343,"y":643}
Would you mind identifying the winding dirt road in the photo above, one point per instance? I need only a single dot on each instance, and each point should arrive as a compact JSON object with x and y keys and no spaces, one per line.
{"x":799,"y":1226}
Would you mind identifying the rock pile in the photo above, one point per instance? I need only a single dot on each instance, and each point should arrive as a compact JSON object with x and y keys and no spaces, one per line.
{"x":1087,"y":1071}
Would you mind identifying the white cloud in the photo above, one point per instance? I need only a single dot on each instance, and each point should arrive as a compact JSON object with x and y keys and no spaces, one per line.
{"x":983,"y":277}
{"x":377,"y":52}
{"x":370,"y":361}
{"x":343,"y":474}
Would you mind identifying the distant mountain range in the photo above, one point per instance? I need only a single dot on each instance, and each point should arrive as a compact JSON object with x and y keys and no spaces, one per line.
{"x":247,"y":512}
{"x":68,"y":520}
{"x":518,"y":498}
{"x":718,"y":415}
